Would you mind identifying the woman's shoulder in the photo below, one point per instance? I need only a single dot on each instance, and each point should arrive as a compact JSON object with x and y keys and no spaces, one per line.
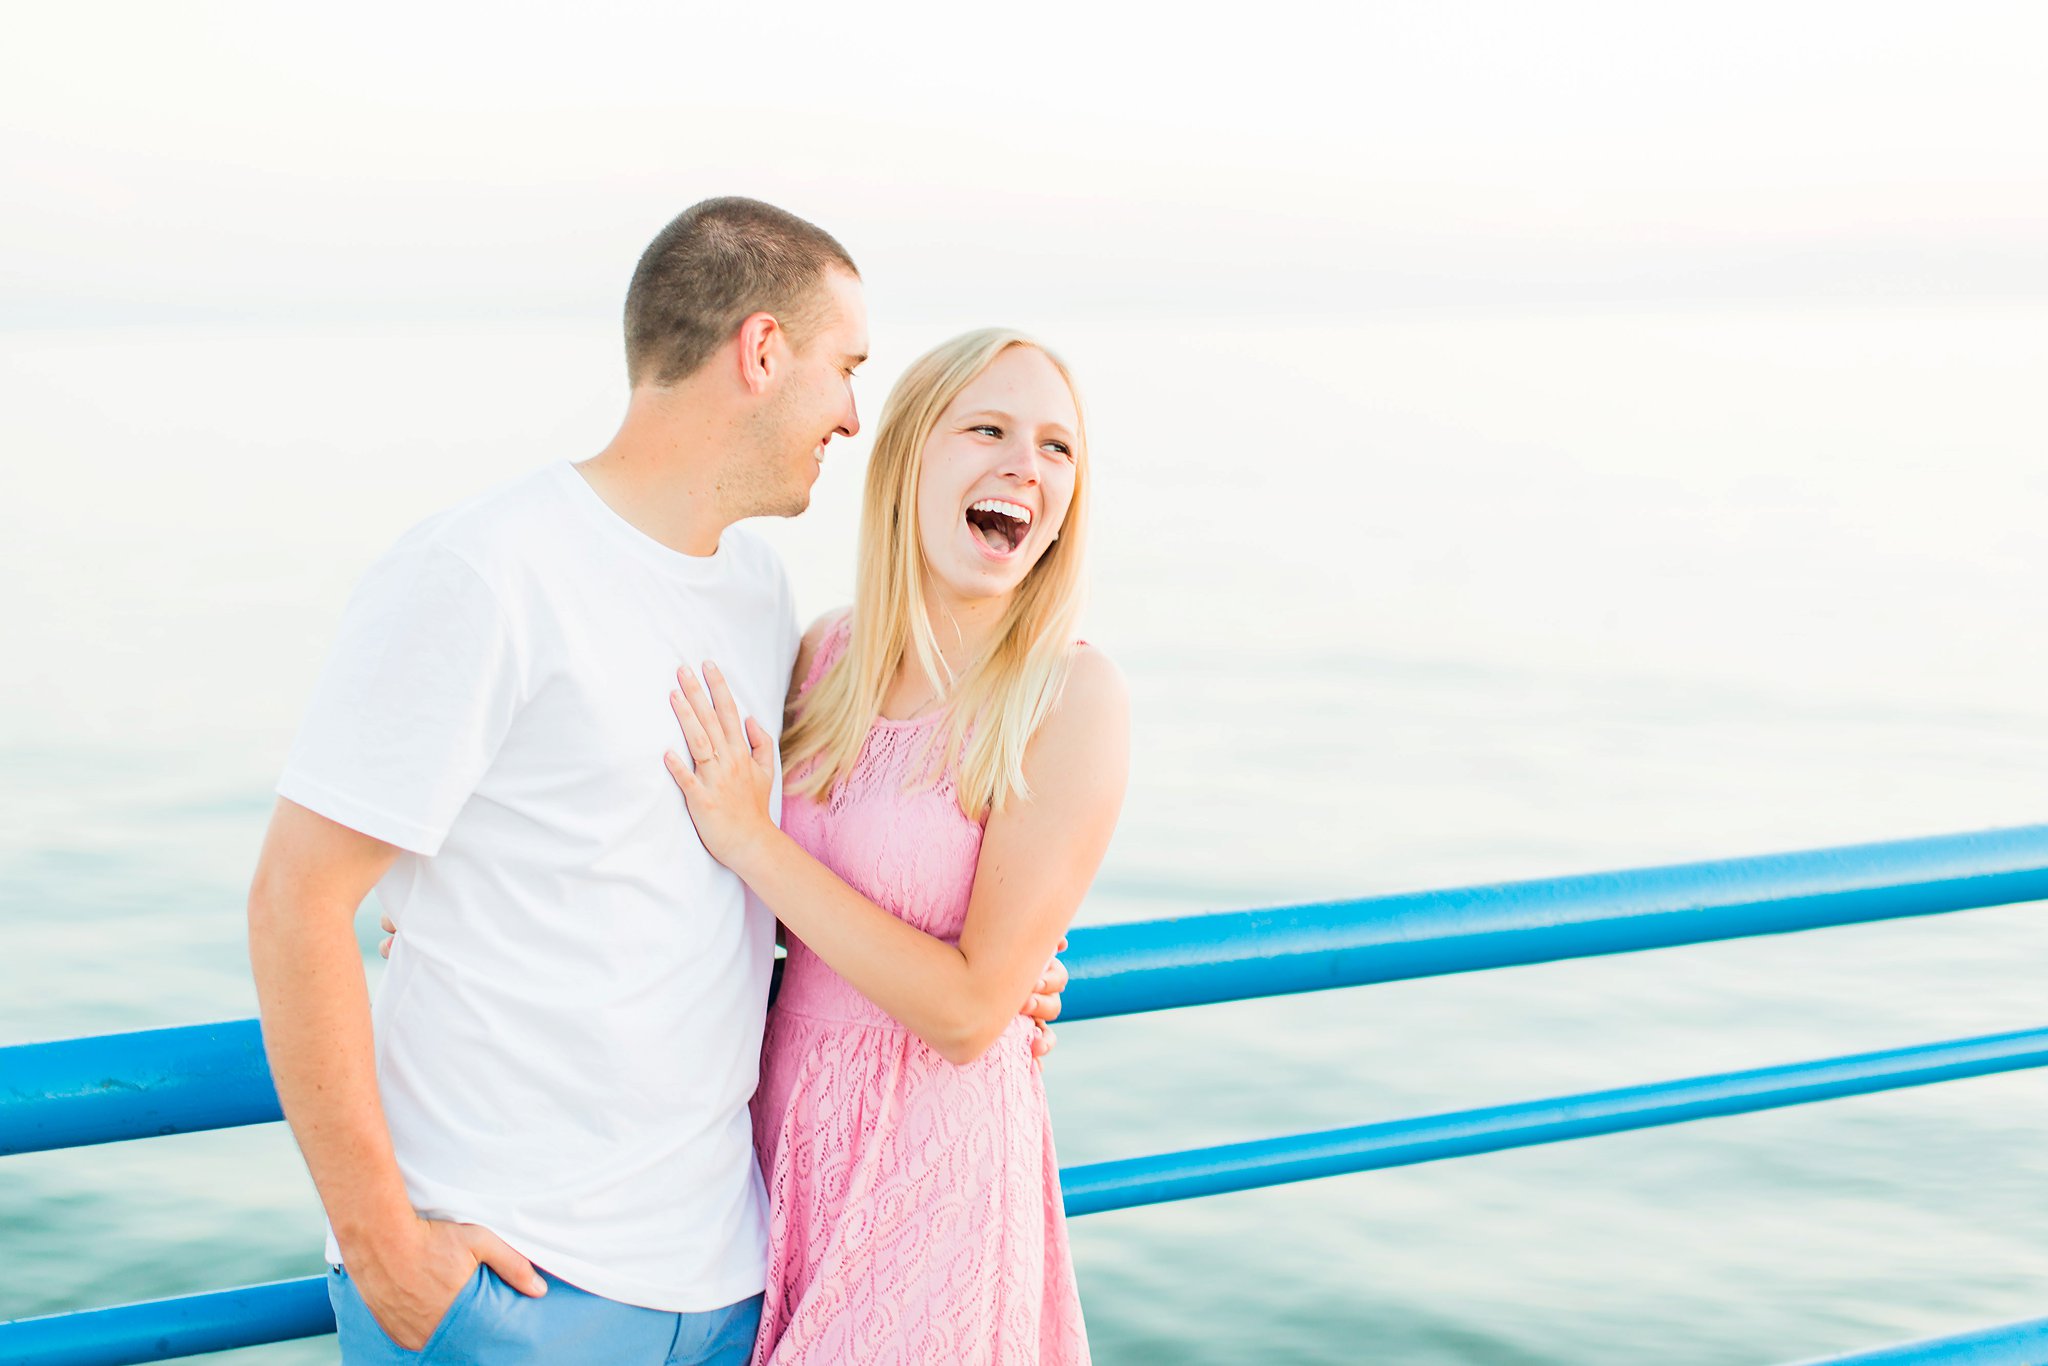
{"x":1091,"y":667}
{"x":825,"y":627}
{"x":1095,"y":697}
{"x":822,"y":641}
{"x":1079,"y":757}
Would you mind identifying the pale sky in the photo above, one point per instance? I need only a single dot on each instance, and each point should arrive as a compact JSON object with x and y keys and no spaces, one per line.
{"x":264,"y":162}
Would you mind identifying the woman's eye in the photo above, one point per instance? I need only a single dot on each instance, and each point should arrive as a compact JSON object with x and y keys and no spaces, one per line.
{"x":991,"y":428}
{"x":1062,"y":447}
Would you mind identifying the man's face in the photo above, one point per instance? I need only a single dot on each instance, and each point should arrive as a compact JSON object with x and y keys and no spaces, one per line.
{"x":812,"y":402}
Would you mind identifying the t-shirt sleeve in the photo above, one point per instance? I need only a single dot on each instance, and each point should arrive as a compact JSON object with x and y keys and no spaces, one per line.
{"x":413,"y":702}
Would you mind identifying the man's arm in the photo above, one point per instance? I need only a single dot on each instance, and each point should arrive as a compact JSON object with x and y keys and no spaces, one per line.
{"x":312,"y":875}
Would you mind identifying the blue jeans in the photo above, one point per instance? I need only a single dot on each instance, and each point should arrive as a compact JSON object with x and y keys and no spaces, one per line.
{"x":491,"y":1324}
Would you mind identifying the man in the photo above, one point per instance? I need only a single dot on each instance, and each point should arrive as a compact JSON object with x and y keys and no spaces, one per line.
{"x":544,"y":1154}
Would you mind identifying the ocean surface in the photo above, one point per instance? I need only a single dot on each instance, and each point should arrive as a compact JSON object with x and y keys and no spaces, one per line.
{"x":1407,"y":601}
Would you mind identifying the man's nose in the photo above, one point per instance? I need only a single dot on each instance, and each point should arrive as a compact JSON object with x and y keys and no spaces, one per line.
{"x":851,"y":427}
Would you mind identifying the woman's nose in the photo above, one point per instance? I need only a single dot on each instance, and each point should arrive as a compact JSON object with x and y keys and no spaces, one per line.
{"x":1017,"y":462}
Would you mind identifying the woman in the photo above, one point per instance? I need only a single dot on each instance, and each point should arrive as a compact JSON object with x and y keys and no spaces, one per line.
{"x":956,"y":761}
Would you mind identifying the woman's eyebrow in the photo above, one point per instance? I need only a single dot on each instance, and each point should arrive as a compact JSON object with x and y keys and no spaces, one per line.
{"x":1057,"y":428}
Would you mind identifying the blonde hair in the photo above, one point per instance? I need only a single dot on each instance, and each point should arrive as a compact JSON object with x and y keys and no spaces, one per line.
{"x":1000,"y":698}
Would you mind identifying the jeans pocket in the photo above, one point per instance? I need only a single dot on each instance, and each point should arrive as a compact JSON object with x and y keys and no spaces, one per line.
{"x":363,"y":1338}
{"x":465,"y":1300}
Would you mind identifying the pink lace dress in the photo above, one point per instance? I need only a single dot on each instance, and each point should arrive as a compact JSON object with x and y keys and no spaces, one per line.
{"x":914,"y":1206}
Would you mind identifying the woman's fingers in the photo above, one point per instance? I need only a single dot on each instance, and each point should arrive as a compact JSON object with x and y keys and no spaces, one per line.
{"x":711,"y":720}
{"x":1044,"y":1041}
{"x":722,"y":706}
{"x":692,"y":711}
{"x":1055,"y":979}
{"x":1043,"y":1009}
{"x":763,"y":746}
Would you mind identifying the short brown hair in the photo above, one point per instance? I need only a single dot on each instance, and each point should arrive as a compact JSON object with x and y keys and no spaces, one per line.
{"x":715,"y":265}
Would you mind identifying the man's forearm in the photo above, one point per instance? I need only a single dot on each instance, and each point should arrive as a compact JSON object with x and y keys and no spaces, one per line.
{"x":316,"y":1030}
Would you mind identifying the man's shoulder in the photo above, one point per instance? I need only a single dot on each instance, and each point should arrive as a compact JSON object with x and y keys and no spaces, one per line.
{"x":495,"y":529}
{"x":503,"y":511}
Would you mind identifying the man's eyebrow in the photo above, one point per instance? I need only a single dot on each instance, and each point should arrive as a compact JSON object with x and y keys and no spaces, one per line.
{"x":861,"y":359}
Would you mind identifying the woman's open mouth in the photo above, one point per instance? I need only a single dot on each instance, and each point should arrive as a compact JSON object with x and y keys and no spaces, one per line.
{"x":999,"y":524}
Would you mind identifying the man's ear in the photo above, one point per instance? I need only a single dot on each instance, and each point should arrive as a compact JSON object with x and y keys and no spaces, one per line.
{"x":762,"y":344}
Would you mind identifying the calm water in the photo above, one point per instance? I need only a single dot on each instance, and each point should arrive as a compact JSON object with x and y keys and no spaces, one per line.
{"x":1410,"y":602}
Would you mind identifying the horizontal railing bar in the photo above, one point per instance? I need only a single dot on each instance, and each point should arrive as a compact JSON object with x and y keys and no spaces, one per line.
{"x":158,"y":1330}
{"x":1196,"y":1172}
{"x":2024,"y":1343}
{"x":111,"y":1087}
{"x":271,"y":1313}
{"x":1232,"y":956}
{"x":75,"y":1092}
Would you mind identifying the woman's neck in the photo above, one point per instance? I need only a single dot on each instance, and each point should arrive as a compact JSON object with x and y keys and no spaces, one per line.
{"x":963,"y":627}
{"x":963,"y":630}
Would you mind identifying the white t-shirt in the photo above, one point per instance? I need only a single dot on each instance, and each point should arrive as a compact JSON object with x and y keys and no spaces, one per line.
{"x":570,"y":1027}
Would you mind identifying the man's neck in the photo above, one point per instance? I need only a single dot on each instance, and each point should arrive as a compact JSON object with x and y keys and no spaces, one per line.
{"x":660,"y":473}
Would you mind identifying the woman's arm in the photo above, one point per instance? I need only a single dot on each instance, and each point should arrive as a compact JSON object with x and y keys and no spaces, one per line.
{"x":1037,"y":859}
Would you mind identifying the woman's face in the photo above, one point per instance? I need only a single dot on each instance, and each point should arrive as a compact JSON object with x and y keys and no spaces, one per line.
{"x":998,"y":477}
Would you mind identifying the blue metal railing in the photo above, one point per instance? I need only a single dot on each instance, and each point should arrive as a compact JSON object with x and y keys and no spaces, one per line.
{"x":110,"y":1088}
{"x":2007,"y":1344}
{"x":1495,"y":1128}
{"x":1197,"y":960}
{"x":160,"y":1330}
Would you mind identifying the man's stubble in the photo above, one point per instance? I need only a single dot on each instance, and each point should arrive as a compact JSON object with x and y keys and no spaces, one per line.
{"x":770,"y":471}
